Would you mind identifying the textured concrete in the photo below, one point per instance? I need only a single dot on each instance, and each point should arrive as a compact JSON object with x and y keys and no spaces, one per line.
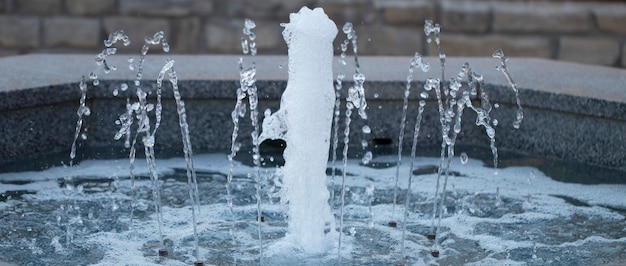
{"x":572,"y":111}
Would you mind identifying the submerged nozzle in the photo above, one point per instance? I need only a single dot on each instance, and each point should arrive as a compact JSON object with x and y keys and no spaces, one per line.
{"x":434,"y":253}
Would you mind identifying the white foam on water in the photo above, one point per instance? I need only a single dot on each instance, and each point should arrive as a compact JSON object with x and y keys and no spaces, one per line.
{"x":512,"y":183}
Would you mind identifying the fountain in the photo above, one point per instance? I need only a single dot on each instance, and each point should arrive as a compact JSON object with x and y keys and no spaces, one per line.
{"x":91,"y":212}
{"x":304,"y":122}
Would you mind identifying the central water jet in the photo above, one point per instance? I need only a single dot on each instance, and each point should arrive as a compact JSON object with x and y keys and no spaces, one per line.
{"x":304,"y":121}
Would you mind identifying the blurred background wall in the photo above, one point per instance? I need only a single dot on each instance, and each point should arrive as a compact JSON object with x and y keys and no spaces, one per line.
{"x":578,"y":31}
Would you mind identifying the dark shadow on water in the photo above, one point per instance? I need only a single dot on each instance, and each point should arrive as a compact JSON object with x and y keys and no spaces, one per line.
{"x":272,"y":156}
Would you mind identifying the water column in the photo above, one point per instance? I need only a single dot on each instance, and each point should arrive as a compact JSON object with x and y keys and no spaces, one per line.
{"x":306,"y":113}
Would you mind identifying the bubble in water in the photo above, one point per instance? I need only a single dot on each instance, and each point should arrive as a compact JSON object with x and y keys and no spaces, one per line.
{"x":115,"y":92}
{"x":366,"y":129}
{"x":495,"y":105}
{"x":464,"y":158}
{"x":93,"y":75}
{"x":83,"y":136}
{"x":376,"y":95}
{"x":123,"y":86}
{"x":367,"y":158}
{"x":364,"y":144}
{"x":495,"y":122}
{"x":424,"y":95}
{"x":96,"y":82}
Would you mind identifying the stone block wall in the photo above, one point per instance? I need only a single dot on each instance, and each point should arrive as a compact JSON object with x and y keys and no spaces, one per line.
{"x":578,"y":31}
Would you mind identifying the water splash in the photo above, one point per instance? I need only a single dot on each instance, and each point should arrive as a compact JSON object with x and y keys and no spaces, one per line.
{"x":83,"y":110}
{"x":335,"y":136}
{"x":248,"y":42}
{"x":416,"y":132}
{"x":148,"y":142}
{"x":452,"y":100}
{"x":499,"y":54}
{"x":156,"y":39}
{"x":192,"y":181}
{"x":354,"y":100}
{"x":249,"y":89}
{"x":416,"y":61}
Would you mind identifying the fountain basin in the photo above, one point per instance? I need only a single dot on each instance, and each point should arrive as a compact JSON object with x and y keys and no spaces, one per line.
{"x":573,"y":113}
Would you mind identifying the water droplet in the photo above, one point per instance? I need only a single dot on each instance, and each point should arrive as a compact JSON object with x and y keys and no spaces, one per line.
{"x":148,"y":141}
{"x":366,"y":129}
{"x":244,"y":46}
{"x":96,"y":82}
{"x":123,"y":86}
{"x":347,"y":28}
{"x":464,"y":158}
{"x":115,"y":92}
{"x":495,"y":122}
{"x":491,"y":133}
{"x":166,"y":46}
{"x":424,"y":95}
{"x":367,"y":158}
{"x":376,"y":95}
{"x":498,"y":54}
{"x":249,"y":24}
{"x":495,"y":105}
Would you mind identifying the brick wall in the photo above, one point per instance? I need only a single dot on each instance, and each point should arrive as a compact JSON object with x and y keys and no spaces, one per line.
{"x":587,"y":32}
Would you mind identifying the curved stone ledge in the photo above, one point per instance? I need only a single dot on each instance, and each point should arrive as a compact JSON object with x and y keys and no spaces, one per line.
{"x":572,"y":111}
